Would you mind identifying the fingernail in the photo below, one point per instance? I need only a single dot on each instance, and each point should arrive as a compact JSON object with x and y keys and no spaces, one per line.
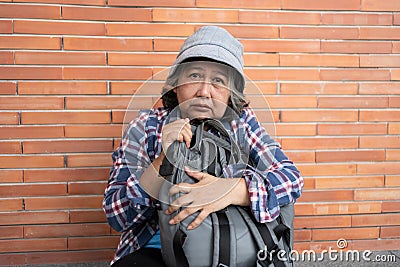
{"x":171,"y":221}
{"x":190,"y":227}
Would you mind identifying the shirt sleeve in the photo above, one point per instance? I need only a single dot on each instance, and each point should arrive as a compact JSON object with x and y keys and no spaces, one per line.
{"x":272,"y":179}
{"x":125,"y":203}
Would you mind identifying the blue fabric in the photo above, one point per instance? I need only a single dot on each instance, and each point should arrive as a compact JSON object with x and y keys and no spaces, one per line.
{"x":155,"y":241}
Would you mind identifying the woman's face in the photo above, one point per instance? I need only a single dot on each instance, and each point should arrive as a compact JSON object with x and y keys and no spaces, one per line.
{"x":202,"y":90}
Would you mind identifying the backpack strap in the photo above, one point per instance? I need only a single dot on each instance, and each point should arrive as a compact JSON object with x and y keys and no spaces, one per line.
{"x":179,"y":239}
{"x":224,"y":239}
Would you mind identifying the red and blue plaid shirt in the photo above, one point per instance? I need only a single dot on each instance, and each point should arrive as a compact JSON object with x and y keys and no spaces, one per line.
{"x":272,"y":179}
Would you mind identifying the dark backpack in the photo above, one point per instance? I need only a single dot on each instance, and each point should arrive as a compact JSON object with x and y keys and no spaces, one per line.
{"x":230,"y":237}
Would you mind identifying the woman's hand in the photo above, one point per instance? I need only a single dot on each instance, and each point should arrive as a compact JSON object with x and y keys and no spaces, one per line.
{"x":210,"y":194}
{"x":178,"y":130}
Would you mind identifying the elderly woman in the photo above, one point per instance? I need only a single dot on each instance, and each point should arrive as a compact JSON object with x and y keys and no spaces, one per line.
{"x":206,"y":81}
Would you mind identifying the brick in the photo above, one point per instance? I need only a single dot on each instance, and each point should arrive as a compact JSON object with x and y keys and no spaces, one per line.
{"x":16,"y":132}
{"x":93,"y":131}
{"x":374,"y":220}
{"x":347,"y":208}
{"x":32,"y":190}
{"x":395,"y":75}
{"x":60,"y":58}
{"x":380,"y":33}
{"x":87,"y":188}
{"x":77,"y":243}
{"x":325,"y":195}
{"x":62,"y":88}
{"x":317,"y":247}
{"x":6,"y":26}
{"x":393,"y":154}
{"x":322,"y":222}
{"x":28,"y":217}
{"x":349,"y":182}
{"x":379,"y":168}
{"x":99,"y":102}
{"x":321,"y":5}
{"x":30,"y":11}
{"x":130,"y":88}
{"x":167,"y":45}
{"x":390,"y":232}
{"x":63,"y":146}
{"x":195,"y":15}
{"x":319,"y":142}
{"x":261,"y":59}
{"x":396,"y":19}
{"x":66,"y":175}
{"x":355,"y":75}
{"x":107,"y":44}
{"x":83,"y":216}
{"x":11,"y":232}
{"x":92,"y":160}
{"x":107,"y":73}
{"x":57,"y":203}
{"x":281,"y":17}
{"x":283,"y":101}
{"x":106,"y":13}
{"x":390,"y":206}
{"x":302,"y":235}
{"x":378,"y":88}
{"x":394,"y":128}
{"x":380,"y":115}
{"x":63,"y":230}
{"x":318,"y":32}
{"x":352,"y":129}
{"x":253,"y":31}
{"x":377,"y":194}
{"x":252,"y":4}
{"x":12,"y":204}
{"x":27,"y":103}
{"x":346,"y":233}
{"x":301,"y":156}
{"x":353,"y":102}
{"x":125,"y":116}
{"x":153,"y":29}
{"x":379,"y":61}
{"x":380,"y":142}
{"x":11,"y":176}
{"x":310,"y":60}
{"x":307,"y":46}
{"x":350,"y":156}
{"x":8,"y":88}
{"x":151,"y":3}
{"x":356,"y":47}
{"x":392,"y":180}
{"x":283,"y":74}
{"x":128,"y":59}
{"x":6,"y":57}
{"x":59,"y":27}
{"x":30,"y":73}
{"x":302,"y":209}
{"x":31,"y":161}
{"x":80,"y":2}
{"x":9,"y":118}
{"x":292,"y":129}
{"x":371,"y":5}
{"x":22,"y":245}
{"x":356,"y":19}
{"x":394,"y":101}
{"x":10,"y":147}
{"x":65,"y":117}
{"x":327,"y":169}
{"x":319,"y":116}
{"x":70,"y":256}
{"x":316,"y":88}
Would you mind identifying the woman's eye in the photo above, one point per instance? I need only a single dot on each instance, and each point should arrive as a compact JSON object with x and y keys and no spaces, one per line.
{"x":218,"y":81}
{"x":194,"y":76}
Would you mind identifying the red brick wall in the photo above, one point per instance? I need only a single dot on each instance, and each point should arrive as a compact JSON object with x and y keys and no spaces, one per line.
{"x":330,"y":71}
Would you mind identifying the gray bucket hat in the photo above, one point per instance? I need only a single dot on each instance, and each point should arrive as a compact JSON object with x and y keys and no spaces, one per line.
{"x":216,"y":44}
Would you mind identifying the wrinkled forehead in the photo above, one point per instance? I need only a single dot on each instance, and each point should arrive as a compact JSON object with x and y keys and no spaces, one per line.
{"x":206,"y":66}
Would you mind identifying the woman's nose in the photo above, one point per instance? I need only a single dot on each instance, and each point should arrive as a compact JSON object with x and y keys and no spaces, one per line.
{"x":204,"y":89}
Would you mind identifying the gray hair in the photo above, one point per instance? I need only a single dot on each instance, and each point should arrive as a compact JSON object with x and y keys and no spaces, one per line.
{"x":237,"y":99}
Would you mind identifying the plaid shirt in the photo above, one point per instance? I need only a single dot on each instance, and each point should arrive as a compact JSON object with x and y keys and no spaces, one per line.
{"x":272,"y":180}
